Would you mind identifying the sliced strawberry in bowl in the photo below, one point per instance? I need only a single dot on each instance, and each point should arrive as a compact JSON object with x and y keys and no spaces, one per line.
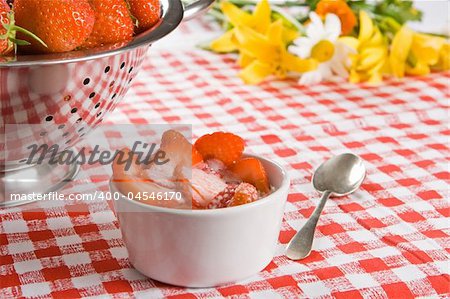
{"x":131,"y":178}
{"x":225,"y":147}
{"x":224,"y":198}
{"x":176,"y":148}
{"x":205,"y":187}
{"x":196,"y":156}
{"x":176,"y":151}
{"x":125,"y":166}
{"x":243,"y":194}
{"x":252,"y":171}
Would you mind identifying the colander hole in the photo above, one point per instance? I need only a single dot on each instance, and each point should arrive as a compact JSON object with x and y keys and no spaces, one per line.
{"x":98,"y":114}
{"x":131,"y":79}
{"x":82,"y":135}
{"x":68,"y":141}
{"x":67,"y":98}
{"x":97,"y":105}
{"x":61,"y":126}
{"x":49,"y":118}
{"x":107,"y":69}
{"x":113,"y":96}
{"x":86,"y":81}
{"x":112,"y":84}
{"x":74,"y":110}
{"x":65,"y":134}
{"x":79,"y":120}
{"x":130,"y":70}
{"x":122,"y":65}
{"x":43,"y":133}
{"x":80,"y":129}
{"x":23,"y":161}
{"x":92,"y":95}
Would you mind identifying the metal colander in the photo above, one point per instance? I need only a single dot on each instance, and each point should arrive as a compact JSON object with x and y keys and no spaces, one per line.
{"x":65,"y":96}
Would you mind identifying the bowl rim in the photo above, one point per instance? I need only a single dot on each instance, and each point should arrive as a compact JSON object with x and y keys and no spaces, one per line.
{"x":285,"y":183}
{"x":171,"y":17}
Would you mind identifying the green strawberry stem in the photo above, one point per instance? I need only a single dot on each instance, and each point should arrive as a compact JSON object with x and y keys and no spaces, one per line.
{"x":30,"y":34}
{"x":12,"y":29}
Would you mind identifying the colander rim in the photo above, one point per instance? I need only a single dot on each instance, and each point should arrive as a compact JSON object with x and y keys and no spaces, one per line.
{"x":171,"y":17}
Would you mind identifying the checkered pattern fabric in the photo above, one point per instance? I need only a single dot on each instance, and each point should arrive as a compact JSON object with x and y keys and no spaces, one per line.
{"x":389,"y":239}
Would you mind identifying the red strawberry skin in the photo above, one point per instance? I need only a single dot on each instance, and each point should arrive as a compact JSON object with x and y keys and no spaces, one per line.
{"x":205,"y":187}
{"x":225,"y":147}
{"x":62,"y":24}
{"x":113,"y":23}
{"x":147,"y":13}
{"x":224,"y":198}
{"x":252,"y":171}
{"x":243,"y":194}
{"x":177,"y":148}
{"x":196,"y":156}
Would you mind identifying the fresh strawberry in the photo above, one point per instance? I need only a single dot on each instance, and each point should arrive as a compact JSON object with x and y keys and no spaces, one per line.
{"x":177,"y":151}
{"x":6,"y":44}
{"x":8,"y":30}
{"x":122,"y":170}
{"x":226,"y":147}
{"x":146,"y":12}
{"x":244,"y":193}
{"x":161,"y":174}
{"x":62,"y":24}
{"x":216,"y":165}
{"x":177,"y":148}
{"x":113,"y":23}
{"x":252,"y":171}
{"x":131,"y":180}
{"x":205,"y":187}
{"x":224,"y":198}
{"x":196,"y":156}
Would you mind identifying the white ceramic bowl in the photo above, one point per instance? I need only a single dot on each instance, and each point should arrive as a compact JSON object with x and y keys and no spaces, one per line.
{"x":204,"y":248}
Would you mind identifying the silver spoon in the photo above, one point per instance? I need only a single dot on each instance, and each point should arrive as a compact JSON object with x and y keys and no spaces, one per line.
{"x":339,"y":176}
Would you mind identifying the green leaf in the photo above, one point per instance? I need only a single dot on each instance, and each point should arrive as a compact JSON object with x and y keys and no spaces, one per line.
{"x":287,"y":19}
{"x":19,"y":42}
{"x":312,"y":4}
{"x":401,"y":11}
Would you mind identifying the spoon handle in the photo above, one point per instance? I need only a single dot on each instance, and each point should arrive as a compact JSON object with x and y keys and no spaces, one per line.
{"x":300,"y":245}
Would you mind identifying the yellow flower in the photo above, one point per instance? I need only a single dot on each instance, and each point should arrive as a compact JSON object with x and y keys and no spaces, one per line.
{"x":444,"y":58}
{"x":266,"y":54}
{"x":371,"y":59}
{"x":259,"y":21}
{"x":400,"y":47}
{"x":414,"y":53}
{"x":261,"y":43}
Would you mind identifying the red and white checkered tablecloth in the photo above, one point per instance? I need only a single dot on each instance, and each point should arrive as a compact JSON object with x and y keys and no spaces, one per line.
{"x":390,"y":239}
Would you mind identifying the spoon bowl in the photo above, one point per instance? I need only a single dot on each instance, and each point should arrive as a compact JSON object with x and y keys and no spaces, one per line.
{"x":341,"y":175}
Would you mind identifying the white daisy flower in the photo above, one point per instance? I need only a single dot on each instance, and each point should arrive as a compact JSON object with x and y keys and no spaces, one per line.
{"x":322,"y":44}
